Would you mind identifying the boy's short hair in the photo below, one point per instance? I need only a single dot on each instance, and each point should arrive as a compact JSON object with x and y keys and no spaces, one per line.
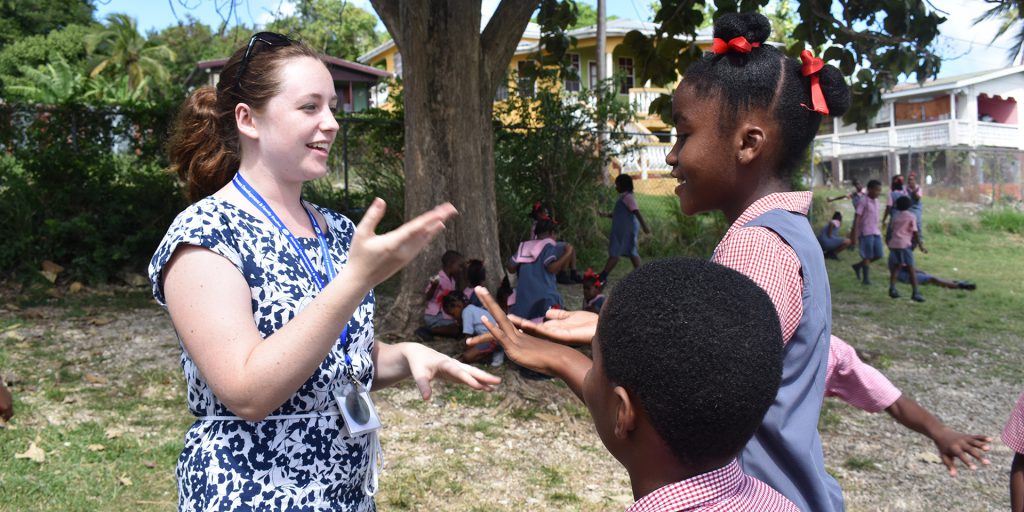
{"x":450,"y":257}
{"x":452,"y":299}
{"x":476,"y":272}
{"x":903,"y":203}
{"x":874,"y":184}
{"x":700,"y":346}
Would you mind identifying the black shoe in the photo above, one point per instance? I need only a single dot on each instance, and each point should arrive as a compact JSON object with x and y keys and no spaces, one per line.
{"x":893,"y":292}
{"x":563,"y":278}
{"x":917,"y":297}
{"x":856,"y":269}
{"x":424,"y":334}
{"x":575,"y":276}
{"x":966,"y":285}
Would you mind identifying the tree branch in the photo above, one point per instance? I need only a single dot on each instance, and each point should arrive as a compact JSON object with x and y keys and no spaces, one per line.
{"x":499,"y":40}
{"x":390,"y":13}
{"x":846,"y":29}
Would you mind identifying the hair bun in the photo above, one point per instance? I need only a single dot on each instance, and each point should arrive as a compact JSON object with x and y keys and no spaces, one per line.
{"x":751,"y":25}
{"x":837,"y":93}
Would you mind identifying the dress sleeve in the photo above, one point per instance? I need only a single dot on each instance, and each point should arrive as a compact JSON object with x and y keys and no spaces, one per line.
{"x":201,"y":225}
{"x":855,"y":382}
{"x":630,"y":201}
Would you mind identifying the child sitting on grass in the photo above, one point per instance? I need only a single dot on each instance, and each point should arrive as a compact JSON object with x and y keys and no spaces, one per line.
{"x":469,"y":316}
{"x":437,"y":322}
{"x":687,"y":360}
{"x":593,"y":299}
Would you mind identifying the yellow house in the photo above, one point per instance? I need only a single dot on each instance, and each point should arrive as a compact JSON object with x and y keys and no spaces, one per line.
{"x":654,"y":138}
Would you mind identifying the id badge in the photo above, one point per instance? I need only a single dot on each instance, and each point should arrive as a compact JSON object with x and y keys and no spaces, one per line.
{"x":357,"y":411}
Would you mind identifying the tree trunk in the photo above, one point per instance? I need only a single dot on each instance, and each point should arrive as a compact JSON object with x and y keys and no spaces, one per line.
{"x":450,"y":75}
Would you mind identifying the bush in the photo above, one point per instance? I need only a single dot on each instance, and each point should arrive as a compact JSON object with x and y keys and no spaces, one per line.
{"x":1003,"y":219}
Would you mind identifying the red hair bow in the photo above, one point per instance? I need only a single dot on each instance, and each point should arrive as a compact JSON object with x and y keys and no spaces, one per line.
{"x":737,"y":44}
{"x":589,"y":274}
{"x":812,"y":67}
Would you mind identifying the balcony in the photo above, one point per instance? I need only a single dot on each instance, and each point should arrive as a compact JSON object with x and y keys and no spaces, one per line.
{"x":923,"y":136}
{"x":640,"y":98}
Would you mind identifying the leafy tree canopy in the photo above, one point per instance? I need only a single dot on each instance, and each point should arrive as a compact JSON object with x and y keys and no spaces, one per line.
{"x":23,"y":18}
{"x":34,"y":51}
{"x":334,"y":27}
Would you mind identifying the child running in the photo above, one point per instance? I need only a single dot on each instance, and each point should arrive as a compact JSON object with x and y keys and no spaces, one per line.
{"x":901,"y":253}
{"x":674,"y":397}
{"x":626,"y":224}
{"x":593,"y":299}
{"x":866,"y":234}
{"x":745,"y":115}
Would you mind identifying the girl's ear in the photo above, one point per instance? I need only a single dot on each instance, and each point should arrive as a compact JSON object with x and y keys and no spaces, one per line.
{"x":245,"y":121}
{"x":751,"y":142}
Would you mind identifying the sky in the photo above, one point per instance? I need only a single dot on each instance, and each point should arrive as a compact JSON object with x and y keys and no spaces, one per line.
{"x":964,"y":46}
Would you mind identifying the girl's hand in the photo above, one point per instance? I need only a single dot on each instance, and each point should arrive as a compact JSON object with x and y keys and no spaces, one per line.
{"x":375,"y":257}
{"x":568,"y":327}
{"x":955,"y":445}
{"x":427,"y":364}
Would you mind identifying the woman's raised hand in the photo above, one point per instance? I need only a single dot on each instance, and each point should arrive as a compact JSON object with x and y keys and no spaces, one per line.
{"x":376,"y":257}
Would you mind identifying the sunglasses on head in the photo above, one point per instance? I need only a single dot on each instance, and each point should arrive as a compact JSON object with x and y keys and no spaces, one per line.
{"x":267,"y":38}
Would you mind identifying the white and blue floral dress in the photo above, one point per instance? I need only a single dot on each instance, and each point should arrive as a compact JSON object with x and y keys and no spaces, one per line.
{"x":275,"y":464}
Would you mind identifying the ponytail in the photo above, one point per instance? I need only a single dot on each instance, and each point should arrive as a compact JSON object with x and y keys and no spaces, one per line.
{"x":203,"y":154}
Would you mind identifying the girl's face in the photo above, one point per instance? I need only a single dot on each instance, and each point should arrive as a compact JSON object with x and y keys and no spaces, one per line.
{"x":589,"y":291}
{"x":297,"y":126}
{"x":703,"y":158}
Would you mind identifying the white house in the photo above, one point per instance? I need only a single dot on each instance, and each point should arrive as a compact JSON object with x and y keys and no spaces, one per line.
{"x":957,"y":132}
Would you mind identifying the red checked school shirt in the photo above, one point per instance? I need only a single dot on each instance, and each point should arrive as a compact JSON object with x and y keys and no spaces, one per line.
{"x":760,"y":254}
{"x":726,"y":489}
{"x":1013,"y":433}
{"x":855,"y":382}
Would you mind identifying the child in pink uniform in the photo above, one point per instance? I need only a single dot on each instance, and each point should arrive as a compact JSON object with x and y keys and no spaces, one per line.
{"x":1013,"y":436}
{"x":901,"y":254}
{"x":437,"y":322}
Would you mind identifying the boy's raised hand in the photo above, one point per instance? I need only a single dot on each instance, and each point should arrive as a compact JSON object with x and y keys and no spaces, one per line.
{"x":520,"y":347}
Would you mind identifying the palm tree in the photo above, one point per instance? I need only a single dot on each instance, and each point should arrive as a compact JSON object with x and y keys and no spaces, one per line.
{"x":1009,"y":13}
{"x":57,"y":83}
{"x":119,"y":47}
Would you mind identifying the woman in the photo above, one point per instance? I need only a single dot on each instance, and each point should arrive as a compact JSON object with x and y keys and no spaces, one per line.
{"x":278,"y":352}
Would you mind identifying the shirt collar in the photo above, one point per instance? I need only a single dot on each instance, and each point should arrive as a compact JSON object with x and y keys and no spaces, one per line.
{"x":796,"y":202}
{"x":701,"y":490}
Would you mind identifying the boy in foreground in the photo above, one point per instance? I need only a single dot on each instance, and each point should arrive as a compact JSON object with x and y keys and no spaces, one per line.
{"x":687,"y":360}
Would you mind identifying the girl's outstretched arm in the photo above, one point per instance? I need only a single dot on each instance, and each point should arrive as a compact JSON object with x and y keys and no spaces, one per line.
{"x":952,"y":445}
{"x":536,"y":354}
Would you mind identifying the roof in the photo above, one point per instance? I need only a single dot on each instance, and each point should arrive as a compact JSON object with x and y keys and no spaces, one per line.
{"x":619,"y":28}
{"x":950,"y":82}
{"x":340,"y":69}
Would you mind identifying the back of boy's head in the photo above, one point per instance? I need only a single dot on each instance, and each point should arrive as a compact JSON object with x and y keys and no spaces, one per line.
{"x":766,"y":79}
{"x":624,"y":182}
{"x":450,"y":257}
{"x":475,"y":272}
{"x":452,"y":299}
{"x":903,"y":203}
{"x":700,"y":346}
{"x":874,"y":184}
{"x":545,"y":226}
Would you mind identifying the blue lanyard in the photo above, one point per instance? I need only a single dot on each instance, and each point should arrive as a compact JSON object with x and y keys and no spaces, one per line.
{"x":257,"y":200}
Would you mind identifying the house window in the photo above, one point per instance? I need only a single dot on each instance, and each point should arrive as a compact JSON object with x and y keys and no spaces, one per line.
{"x":626,"y":74}
{"x":592,"y":74}
{"x":573,"y":85}
{"x":525,"y":83}
{"x":398,"y":65}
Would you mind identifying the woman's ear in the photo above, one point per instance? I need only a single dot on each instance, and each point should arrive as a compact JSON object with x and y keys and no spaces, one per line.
{"x":625,"y":413}
{"x":245,"y":121}
{"x":752,"y":138}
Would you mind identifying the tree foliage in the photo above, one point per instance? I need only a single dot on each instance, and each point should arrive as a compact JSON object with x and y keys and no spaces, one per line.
{"x":1008,"y":13}
{"x":192,"y":41}
{"x":873,"y":42}
{"x":24,"y":18}
{"x":57,"y":83}
{"x":334,"y":27}
{"x":119,"y":48}
{"x":35,"y":51}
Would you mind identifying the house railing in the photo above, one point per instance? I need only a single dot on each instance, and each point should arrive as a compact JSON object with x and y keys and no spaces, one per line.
{"x":640,"y":98}
{"x":647,"y":158}
{"x":932,"y":134}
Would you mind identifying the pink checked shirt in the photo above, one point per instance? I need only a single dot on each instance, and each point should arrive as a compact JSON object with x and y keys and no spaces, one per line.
{"x":1013,"y":434}
{"x":855,"y":382}
{"x":726,"y":489}
{"x":904,"y":225}
{"x":760,"y":254}
{"x":444,"y":284}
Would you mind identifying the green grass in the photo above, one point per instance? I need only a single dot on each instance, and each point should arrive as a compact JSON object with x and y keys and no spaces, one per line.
{"x":861,"y":464}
